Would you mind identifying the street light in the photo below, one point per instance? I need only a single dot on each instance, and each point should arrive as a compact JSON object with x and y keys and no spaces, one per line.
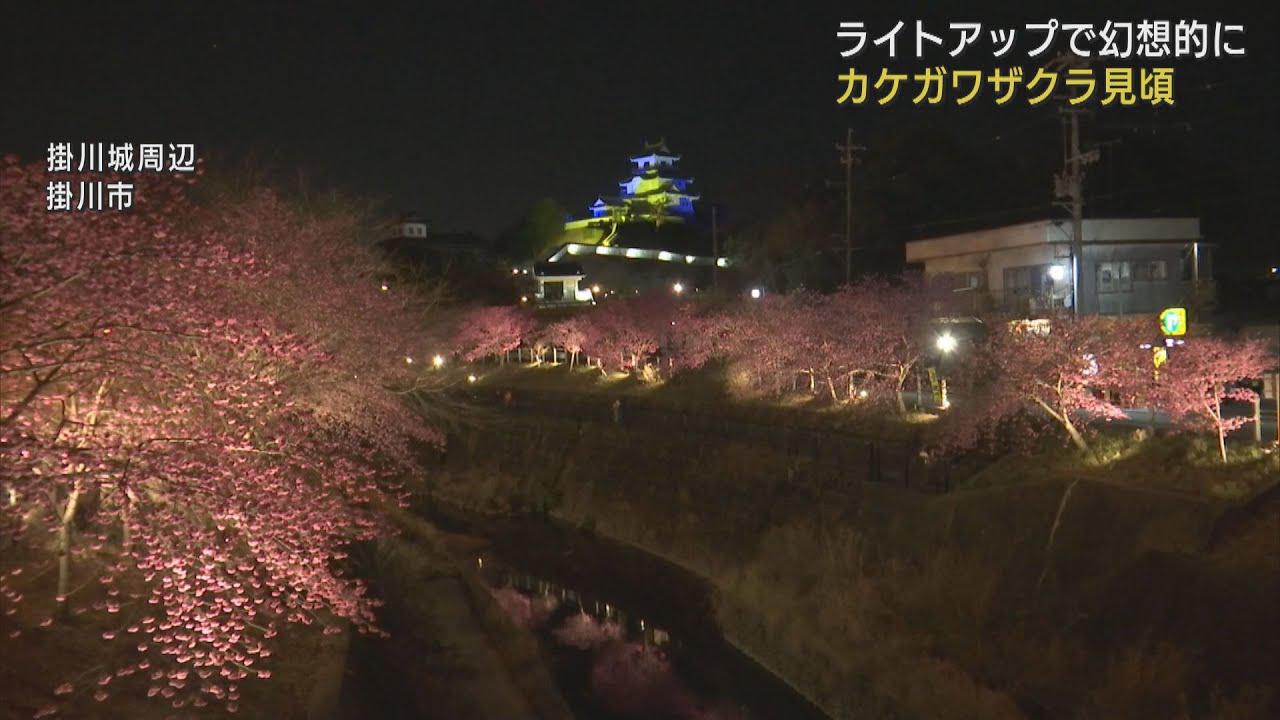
{"x":595,"y":289}
{"x":947,"y":342}
{"x":678,"y":288}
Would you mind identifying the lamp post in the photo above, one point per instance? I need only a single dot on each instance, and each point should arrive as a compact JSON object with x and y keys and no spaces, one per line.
{"x":946,"y":344}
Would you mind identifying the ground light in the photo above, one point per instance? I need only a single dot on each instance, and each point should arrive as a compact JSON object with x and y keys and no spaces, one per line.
{"x":755,"y":293}
{"x":408,"y":360}
{"x":472,"y":378}
{"x":437,"y":361}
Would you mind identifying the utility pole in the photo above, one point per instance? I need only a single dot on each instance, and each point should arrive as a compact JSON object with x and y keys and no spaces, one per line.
{"x":1069,"y":188}
{"x":848,"y":157}
{"x":1068,"y":185}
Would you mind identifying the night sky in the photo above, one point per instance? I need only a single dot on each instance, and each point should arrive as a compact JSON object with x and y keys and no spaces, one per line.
{"x":467,"y":112}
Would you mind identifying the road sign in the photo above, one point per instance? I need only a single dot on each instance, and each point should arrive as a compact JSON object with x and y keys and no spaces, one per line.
{"x":1173,"y":321}
{"x":1159,"y":356}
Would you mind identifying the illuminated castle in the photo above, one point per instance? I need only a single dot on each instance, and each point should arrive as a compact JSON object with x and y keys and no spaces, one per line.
{"x":653,"y":194}
{"x":643,"y":239}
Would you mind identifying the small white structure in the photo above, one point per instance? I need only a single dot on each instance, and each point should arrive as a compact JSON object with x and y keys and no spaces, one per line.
{"x":1132,"y":265}
{"x":557,"y":283}
{"x":411,"y":228}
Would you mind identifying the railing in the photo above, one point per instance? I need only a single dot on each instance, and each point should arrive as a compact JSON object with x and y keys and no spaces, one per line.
{"x":831,"y":453}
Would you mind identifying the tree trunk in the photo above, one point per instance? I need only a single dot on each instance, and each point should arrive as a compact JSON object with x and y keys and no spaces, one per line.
{"x":1076,"y":437}
{"x":64,"y":548}
{"x":1065,"y":421}
{"x":1222,"y":435}
{"x":126,"y":534}
{"x":903,"y":374}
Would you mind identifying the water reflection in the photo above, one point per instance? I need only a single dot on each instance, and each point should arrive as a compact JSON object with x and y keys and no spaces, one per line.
{"x":610,"y":663}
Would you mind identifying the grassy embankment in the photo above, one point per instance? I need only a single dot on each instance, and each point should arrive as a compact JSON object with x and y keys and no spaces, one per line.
{"x":1162,"y":460}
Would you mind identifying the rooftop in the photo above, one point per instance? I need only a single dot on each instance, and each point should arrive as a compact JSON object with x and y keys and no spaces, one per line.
{"x":1036,"y":232}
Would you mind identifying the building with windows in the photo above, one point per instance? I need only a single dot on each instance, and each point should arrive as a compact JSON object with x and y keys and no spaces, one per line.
{"x":1129,"y":265}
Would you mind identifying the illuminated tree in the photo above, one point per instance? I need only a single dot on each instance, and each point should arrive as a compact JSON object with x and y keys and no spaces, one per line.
{"x":1201,"y":374}
{"x":493,"y":330}
{"x":222,"y":384}
{"x":886,"y":326}
{"x":625,"y":333}
{"x":1066,"y":371}
{"x":570,"y":335}
{"x":772,"y":339}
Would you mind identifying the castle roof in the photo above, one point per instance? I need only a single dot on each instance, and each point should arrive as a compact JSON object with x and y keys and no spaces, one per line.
{"x":659,"y":149}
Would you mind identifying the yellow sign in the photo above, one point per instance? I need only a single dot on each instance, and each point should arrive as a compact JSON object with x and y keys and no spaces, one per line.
{"x":1159,"y":355}
{"x":1173,"y":321}
{"x":935,"y":385}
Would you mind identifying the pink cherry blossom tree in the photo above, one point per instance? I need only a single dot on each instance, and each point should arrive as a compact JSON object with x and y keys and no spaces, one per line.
{"x":1203,"y":373}
{"x":569,"y":334}
{"x":1067,"y":371}
{"x":225,"y":385}
{"x":770,"y":340}
{"x":625,"y":333}
{"x":493,"y":330}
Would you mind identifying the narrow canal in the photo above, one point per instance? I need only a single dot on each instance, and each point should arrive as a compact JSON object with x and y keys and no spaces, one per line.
{"x":624,"y":635}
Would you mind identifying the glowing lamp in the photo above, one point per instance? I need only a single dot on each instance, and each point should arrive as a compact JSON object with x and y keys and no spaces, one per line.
{"x":1057,"y":272}
{"x":472,"y":378}
{"x":947,"y":342}
{"x":437,"y":361}
{"x":755,"y":293}
{"x":678,"y":288}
